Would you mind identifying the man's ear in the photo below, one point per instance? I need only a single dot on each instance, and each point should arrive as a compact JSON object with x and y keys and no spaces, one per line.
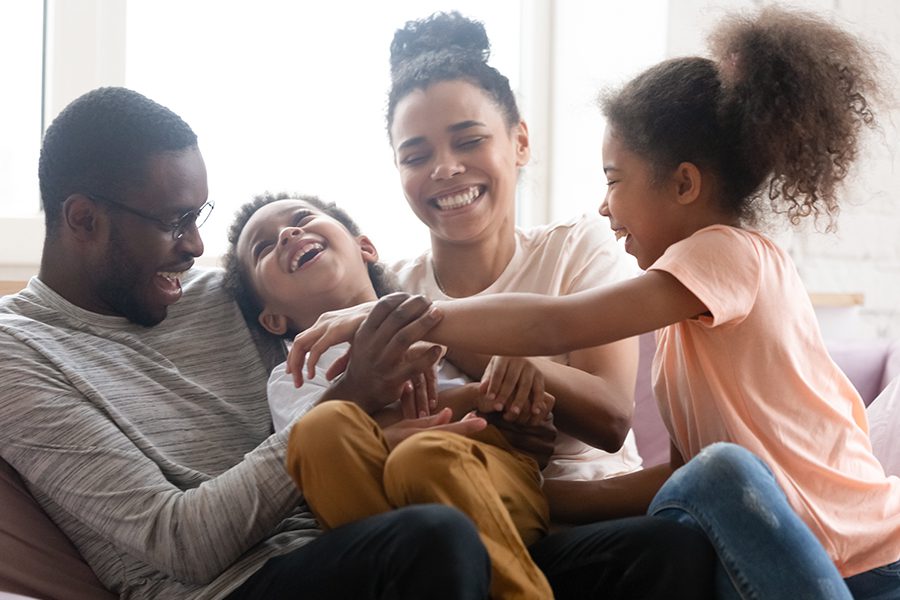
{"x":367,"y":249}
{"x":273,"y":323}
{"x":80,"y":216}
{"x":523,"y":147}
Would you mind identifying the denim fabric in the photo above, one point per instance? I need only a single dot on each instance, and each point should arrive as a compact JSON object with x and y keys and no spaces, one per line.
{"x":765,"y":550}
{"x":882,"y":583}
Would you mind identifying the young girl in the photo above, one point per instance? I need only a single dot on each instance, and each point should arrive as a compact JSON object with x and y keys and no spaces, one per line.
{"x":694,"y":152}
{"x":459,"y":143}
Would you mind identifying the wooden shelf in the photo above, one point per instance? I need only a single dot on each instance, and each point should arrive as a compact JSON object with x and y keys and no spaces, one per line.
{"x":837,"y":300}
{"x":11,"y":287}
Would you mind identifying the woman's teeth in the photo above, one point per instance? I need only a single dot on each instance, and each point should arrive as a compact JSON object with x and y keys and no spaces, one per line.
{"x":458,"y":200}
{"x":620,"y":233}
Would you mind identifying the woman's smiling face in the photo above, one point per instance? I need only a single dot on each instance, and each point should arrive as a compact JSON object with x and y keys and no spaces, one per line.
{"x":458,"y":160}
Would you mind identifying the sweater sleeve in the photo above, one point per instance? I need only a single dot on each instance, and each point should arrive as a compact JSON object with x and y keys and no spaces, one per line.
{"x":88,"y":466}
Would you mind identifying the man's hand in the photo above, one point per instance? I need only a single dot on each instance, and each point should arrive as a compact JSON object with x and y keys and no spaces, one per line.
{"x":536,"y":441}
{"x":411,"y":316}
{"x":385,"y":363}
{"x":399,"y":431}
{"x":515,"y":387}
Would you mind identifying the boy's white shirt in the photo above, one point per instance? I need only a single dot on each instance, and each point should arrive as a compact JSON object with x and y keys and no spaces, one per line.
{"x":288,"y":403}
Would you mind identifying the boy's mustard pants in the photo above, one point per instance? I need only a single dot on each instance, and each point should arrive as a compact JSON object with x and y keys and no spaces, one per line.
{"x":341,"y":462}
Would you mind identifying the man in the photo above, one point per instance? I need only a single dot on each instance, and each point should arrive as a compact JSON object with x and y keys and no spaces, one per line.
{"x":133,"y":402}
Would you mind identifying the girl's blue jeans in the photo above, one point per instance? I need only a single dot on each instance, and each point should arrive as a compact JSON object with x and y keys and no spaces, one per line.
{"x":765,"y":550}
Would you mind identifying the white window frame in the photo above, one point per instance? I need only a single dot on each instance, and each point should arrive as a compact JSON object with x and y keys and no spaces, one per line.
{"x":83,"y":48}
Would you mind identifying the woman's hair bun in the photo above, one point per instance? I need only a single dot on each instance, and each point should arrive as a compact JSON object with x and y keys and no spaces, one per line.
{"x":440,"y":32}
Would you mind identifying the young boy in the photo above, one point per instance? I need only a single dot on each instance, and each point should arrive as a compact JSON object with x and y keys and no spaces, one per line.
{"x":292,"y":258}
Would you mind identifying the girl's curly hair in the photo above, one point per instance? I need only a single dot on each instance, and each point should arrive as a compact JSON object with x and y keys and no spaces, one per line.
{"x":776,"y":115}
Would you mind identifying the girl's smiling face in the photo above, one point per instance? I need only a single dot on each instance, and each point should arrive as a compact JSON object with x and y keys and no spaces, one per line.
{"x":640,"y":209}
{"x":458,"y":160}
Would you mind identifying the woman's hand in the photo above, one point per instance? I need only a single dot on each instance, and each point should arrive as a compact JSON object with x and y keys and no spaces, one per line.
{"x":412,"y":317}
{"x":515,"y":387}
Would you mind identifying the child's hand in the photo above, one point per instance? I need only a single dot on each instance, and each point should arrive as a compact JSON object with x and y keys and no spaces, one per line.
{"x":536,"y":440}
{"x":399,"y":431}
{"x":515,"y":386}
{"x":385,"y":364}
{"x":420,"y":395}
{"x":331,"y":328}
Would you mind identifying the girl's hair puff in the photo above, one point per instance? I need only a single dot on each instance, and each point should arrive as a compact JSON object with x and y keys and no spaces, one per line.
{"x":776,"y":115}
{"x":446,"y":47}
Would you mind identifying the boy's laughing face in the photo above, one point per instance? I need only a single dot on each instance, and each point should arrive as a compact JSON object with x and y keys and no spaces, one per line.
{"x":302,"y":262}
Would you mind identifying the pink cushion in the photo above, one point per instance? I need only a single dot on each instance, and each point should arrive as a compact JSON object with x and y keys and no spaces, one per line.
{"x":863,"y":361}
{"x":892,"y":364}
{"x":38,"y":560}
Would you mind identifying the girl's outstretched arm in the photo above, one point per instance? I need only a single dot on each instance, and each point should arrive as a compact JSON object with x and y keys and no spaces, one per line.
{"x":515,"y":324}
{"x":537,"y":325}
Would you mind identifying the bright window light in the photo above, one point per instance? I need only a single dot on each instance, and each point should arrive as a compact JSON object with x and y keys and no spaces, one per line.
{"x":291,"y":95}
{"x":21,"y":42}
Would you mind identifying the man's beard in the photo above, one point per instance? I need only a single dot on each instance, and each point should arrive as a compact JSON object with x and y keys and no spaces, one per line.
{"x":119,"y":285}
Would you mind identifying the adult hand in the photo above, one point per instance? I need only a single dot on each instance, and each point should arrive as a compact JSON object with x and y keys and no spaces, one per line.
{"x":399,"y":431}
{"x":335,"y":327}
{"x":515,"y":387}
{"x":537,"y":441}
{"x":386,"y":364}
{"x":419,"y":395}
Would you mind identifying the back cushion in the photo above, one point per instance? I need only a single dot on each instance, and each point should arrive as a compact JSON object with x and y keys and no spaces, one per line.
{"x":38,"y":560}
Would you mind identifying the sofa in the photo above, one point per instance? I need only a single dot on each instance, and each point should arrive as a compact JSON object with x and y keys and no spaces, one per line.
{"x":38,"y":561}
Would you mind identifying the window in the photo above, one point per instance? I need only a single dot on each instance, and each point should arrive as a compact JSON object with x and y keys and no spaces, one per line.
{"x":290,"y":96}
{"x":21,"y":36}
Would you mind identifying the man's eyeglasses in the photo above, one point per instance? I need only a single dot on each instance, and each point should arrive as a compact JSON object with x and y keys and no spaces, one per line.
{"x":177,"y":228}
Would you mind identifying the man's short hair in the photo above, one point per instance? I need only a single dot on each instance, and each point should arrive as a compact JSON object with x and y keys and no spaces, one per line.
{"x":100,"y":144}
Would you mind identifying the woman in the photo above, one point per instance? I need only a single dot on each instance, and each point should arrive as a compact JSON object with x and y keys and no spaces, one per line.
{"x":459,"y":143}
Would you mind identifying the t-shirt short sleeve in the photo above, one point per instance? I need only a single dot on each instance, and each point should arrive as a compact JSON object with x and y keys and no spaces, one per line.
{"x":721,"y":266}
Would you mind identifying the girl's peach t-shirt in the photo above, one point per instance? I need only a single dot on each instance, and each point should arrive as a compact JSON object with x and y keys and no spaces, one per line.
{"x":755,"y":371}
